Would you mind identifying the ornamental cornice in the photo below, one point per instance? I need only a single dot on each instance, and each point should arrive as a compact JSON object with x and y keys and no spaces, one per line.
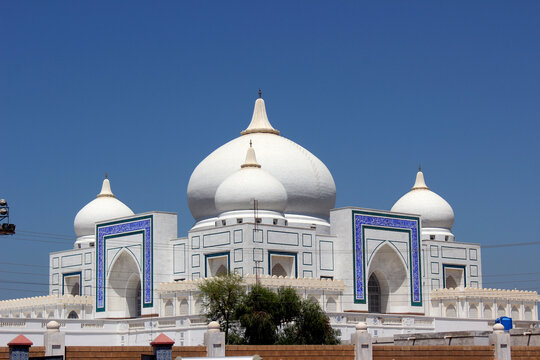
{"x":266,"y":281}
{"x":45,"y":301}
{"x":484,"y":294}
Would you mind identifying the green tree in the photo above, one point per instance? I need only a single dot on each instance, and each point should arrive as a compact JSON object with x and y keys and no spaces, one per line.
{"x":257,"y":315}
{"x":311,"y":326}
{"x":221,"y":297}
{"x":265,"y":317}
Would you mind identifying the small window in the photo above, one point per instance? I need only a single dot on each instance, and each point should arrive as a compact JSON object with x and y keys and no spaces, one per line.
{"x":258,"y":220}
{"x":184,"y":307}
{"x":179,"y":280}
{"x":223,"y":222}
{"x":217,"y":223}
{"x":92,"y":244}
{"x":73,"y":315}
{"x":275,"y":221}
{"x":327,"y":277}
{"x":239,"y":220}
{"x":286,"y":222}
{"x":168,"y":308}
{"x":431,"y":237}
{"x":446,"y":238}
{"x":451,"y":311}
{"x":79,"y":246}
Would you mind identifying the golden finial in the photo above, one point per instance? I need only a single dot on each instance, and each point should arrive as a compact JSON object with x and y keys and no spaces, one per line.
{"x":419,"y":167}
{"x":250,"y":143}
{"x":106,"y":176}
{"x":260,"y":93}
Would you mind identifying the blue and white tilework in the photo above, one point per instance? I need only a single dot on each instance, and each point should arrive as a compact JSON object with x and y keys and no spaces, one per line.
{"x":144,"y":225}
{"x":386,"y":222}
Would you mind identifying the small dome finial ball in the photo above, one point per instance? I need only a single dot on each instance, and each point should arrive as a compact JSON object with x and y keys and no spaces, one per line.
{"x":361,"y":326}
{"x":53,"y":326}
{"x":213,"y":326}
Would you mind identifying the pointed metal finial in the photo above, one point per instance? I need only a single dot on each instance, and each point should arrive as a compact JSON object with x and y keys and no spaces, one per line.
{"x":419,"y":167}
{"x":260,"y":93}
{"x":106,"y":176}
{"x":250,"y":144}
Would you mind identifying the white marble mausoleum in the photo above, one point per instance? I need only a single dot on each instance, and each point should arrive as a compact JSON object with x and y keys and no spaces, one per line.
{"x":264,"y":208}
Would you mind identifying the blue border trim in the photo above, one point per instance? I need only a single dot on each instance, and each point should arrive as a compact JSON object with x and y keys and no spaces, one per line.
{"x":321,"y":254}
{"x":72,"y":274}
{"x":283,"y":253}
{"x":209,"y":256}
{"x":120,"y":228}
{"x":385,"y":222}
{"x":452,"y":266}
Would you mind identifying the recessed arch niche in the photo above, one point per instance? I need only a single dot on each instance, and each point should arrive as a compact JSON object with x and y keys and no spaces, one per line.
{"x":388,"y":271}
{"x":124,"y":290}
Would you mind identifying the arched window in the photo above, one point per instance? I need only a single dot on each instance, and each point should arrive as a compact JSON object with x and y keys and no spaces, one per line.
{"x":73,"y":315}
{"x":451,"y":283}
{"x":501,"y":311}
{"x":528,"y":313}
{"x":221,"y":271}
{"x":51,"y":314}
{"x":515,"y":313}
{"x":374,"y":295}
{"x":184,"y":307}
{"x":39,"y":315}
{"x":473,"y":311}
{"x":451,"y":311}
{"x":278,"y":270}
{"x":487,"y":312}
{"x":313,"y":299}
{"x":198,"y":306}
{"x":168,"y":308}
{"x":331,"y":305}
{"x":75,"y":289}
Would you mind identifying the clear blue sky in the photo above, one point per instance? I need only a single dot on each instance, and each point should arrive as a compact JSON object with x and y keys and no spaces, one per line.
{"x":144,"y":91}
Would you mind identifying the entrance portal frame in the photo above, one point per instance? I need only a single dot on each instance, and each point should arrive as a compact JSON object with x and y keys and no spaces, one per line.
{"x":391,"y":222}
{"x":142,"y":225}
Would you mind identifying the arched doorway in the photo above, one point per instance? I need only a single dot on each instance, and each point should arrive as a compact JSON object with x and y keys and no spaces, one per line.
{"x":124,"y":290}
{"x":387,"y":284}
{"x":374,"y":295}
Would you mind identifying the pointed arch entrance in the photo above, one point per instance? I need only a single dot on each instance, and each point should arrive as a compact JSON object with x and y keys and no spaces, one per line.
{"x":124,"y":290}
{"x":388,"y":281}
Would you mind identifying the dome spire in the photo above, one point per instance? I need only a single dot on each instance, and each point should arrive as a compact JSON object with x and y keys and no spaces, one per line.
{"x":259,"y":121}
{"x":420,"y":183}
{"x":251,"y":159}
{"x":106,"y":188}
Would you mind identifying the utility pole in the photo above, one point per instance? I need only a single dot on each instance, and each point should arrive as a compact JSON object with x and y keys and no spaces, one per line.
{"x":255,"y":212}
{"x":257,"y":272}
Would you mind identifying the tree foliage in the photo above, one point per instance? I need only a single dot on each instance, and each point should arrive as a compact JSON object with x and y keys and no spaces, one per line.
{"x":263,"y":317}
{"x":311,"y":326}
{"x":221,"y":297}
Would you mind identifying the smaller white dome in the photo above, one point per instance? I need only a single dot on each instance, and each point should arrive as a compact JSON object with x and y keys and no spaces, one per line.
{"x":239,"y":190}
{"x":435,"y":211}
{"x":104,"y":207}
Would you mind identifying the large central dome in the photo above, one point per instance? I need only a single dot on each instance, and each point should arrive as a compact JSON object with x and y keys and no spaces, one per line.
{"x":311,"y":190}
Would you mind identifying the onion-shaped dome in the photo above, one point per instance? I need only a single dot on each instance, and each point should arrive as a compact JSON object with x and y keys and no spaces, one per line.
{"x":104,"y":207}
{"x":250,"y":183}
{"x":435,"y":211}
{"x":310,"y":188}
